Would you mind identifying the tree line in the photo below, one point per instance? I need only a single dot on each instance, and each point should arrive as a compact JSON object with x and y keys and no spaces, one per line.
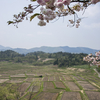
{"x":62,"y":59}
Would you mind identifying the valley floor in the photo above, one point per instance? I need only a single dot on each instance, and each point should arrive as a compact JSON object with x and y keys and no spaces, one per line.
{"x":50,"y":82}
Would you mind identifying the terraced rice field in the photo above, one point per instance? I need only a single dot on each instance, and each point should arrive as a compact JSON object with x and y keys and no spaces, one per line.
{"x":52,"y":83}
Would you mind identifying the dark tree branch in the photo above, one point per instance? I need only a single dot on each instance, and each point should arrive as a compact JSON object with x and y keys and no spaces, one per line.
{"x":83,"y":1}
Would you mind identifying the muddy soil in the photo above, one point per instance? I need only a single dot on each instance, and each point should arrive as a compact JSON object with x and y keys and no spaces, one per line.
{"x":23,"y":87}
{"x":71,"y":96}
{"x":14,"y":81}
{"x":51,"y":78}
{"x":72,"y":85}
{"x":57,"y":78}
{"x":47,"y":86}
{"x":47,"y":96}
{"x":93,"y":95}
{"x":88,"y":86}
{"x":45,"y":78}
{"x":29,"y":80}
{"x":3,"y":80}
{"x":83,"y":82}
{"x":67,"y":77}
{"x":59,"y":85}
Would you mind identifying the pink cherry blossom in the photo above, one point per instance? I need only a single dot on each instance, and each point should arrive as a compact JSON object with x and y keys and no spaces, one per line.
{"x":94,"y":62}
{"x":97,"y":53}
{"x":49,"y":12}
{"x":66,"y":2}
{"x":46,"y":17}
{"x":94,"y":59}
{"x":41,"y":23}
{"x":50,"y":9}
{"x":40,"y":17}
{"x":71,"y":21}
{"x":94,"y":1}
{"x":98,"y":65}
{"x":41,"y":2}
{"x":47,"y":0}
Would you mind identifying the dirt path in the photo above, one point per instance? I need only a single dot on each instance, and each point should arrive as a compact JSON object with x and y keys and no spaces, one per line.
{"x":97,"y":72}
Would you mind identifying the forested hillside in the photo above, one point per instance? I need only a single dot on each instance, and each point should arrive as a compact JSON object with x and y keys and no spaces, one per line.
{"x":68,"y":59}
{"x":62,"y":59}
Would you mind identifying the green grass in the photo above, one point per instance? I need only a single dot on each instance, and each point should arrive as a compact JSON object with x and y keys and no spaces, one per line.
{"x":60,"y":95}
{"x":9,"y":77}
{"x":98,"y":69}
{"x":80,"y":87}
{"x":83,"y":96}
{"x":84,"y":67}
{"x":67,"y":88}
{"x":54,"y":84}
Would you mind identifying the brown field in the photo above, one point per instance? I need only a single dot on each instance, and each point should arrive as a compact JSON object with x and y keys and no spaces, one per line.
{"x":3,"y":80}
{"x":14,"y":81}
{"x":72,"y":85}
{"x":51,"y":78}
{"x":77,"y":78}
{"x":81,"y":78}
{"x":62,"y":78}
{"x":71,"y":96}
{"x":45,"y":78}
{"x":51,"y":83}
{"x":93,"y":95}
{"x":23,"y":87}
{"x":47,"y":86}
{"x":34,"y":88}
{"x":59,"y":85}
{"x":57,"y":78}
{"x":47,"y":96}
{"x":83,"y":82}
{"x":88,"y":86}
{"x":29,"y":79}
{"x":30,"y":95}
{"x":37,"y":79}
{"x":19,"y":75}
{"x":67,"y":77}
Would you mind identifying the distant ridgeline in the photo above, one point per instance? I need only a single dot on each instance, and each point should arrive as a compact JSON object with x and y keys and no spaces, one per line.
{"x":62,"y":59}
{"x":47,"y":49}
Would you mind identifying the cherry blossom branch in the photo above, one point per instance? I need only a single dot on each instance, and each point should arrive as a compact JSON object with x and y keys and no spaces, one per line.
{"x":93,"y":59}
{"x":21,"y":16}
{"x":50,"y":9}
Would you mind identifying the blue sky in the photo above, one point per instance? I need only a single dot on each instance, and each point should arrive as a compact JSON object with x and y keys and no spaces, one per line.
{"x":30,"y":35}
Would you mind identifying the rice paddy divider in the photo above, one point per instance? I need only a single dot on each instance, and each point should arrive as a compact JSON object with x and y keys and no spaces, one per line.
{"x":54,"y":79}
{"x":28,"y":87}
{"x":92,"y":83}
{"x":41,"y":89}
{"x":82,"y":92}
{"x":59,"y":95}
{"x":54,"y":84}
{"x":9,"y":77}
{"x":26,"y":76}
{"x":83,"y":95}
{"x":67,"y":88}
{"x":63,"y":78}
{"x":60,"y":78}
{"x":75,"y":81}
